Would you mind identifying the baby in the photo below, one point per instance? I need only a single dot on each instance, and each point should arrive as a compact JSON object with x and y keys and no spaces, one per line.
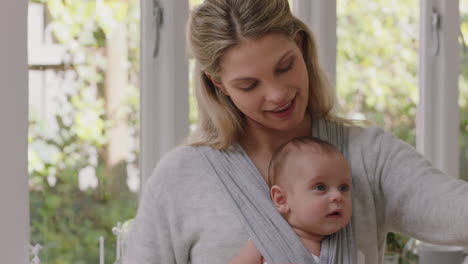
{"x":310,"y":186}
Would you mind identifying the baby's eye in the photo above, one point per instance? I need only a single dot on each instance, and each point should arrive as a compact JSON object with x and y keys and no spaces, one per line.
{"x":320,"y":187}
{"x":344,"y":188}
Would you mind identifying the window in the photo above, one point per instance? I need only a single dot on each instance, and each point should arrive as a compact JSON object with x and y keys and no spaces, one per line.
{"x":463,"y":90}
{"x":83,"y":125}
{"x":193,"y":111}
{"x":377,"y":56}
{"x":377,"y":53}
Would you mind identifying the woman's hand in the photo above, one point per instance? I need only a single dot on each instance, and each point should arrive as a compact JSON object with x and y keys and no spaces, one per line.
{"x":248,"y":254}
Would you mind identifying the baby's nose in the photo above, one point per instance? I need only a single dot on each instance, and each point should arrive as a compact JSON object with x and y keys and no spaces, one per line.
{"x":336,"y":196}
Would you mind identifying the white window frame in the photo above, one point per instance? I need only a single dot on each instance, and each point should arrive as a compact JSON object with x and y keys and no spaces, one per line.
{"x":438,"y":110}
{"x":164,"y":82}
{"x":320,"y":16}
{"x":14,"y":196}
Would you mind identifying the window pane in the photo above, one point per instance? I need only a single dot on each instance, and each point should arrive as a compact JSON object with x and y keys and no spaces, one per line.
{"x":376,"y":70}
{"x":193,"y":3}
{"x":83,"y":125}
{"x":376,"y":63}
{"x":193,"y":110}
{"x":463,"y":91}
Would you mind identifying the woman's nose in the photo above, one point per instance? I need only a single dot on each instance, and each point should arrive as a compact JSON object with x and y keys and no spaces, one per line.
{"x":277,"y":93}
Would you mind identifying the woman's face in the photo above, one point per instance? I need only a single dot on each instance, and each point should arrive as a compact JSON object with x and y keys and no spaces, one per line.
{"x":267,"y":80}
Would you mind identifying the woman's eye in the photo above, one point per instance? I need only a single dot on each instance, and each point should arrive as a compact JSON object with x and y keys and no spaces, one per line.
{"x":285,"y":69}
{"x":320,"y":187}
{"x":344,"y":188}
{"x":250,"y":87}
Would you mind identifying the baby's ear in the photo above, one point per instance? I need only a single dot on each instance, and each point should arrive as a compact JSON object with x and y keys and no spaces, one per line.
{"x":279,"y":198}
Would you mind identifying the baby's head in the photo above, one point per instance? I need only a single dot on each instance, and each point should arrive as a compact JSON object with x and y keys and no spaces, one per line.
{"x":310,"y":184}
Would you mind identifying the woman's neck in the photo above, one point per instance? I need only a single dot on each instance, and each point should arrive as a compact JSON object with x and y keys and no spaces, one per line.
{"x":260,"y":139}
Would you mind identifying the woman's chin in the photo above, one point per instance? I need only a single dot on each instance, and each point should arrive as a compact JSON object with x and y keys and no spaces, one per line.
{"x":291,"y":124}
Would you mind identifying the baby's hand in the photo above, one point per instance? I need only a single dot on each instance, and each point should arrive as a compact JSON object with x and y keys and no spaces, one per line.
{"x":248,"y":254}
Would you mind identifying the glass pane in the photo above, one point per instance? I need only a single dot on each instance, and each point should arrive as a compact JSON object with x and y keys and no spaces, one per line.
{"x":463,"y":90}
{"x":83,"y":125}
{"x":291,"y":4}
{"x":193,"y":111}
{"x":193,"y":3}
{"x":377,"y":53}
{"x":376,"y":63}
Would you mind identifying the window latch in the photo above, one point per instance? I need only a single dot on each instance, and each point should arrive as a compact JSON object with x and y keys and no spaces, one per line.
{"x":435,"y":30}
{"x":158,"y":21}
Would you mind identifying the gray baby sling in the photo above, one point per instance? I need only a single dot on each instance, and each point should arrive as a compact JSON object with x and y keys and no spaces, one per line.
{"x":273,"y":236}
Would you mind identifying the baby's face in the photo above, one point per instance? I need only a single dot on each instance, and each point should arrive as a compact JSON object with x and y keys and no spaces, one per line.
{"x":318,"y":193}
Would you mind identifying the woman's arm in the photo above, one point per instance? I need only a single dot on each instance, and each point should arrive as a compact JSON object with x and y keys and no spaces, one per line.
{"x":149,"y":239}
{"x":155,"y":236}
{"x":418,"y":199}
{"x":183,"y":216}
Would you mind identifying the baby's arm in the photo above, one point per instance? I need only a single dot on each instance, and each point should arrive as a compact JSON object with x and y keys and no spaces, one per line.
{"x":248,"y":254}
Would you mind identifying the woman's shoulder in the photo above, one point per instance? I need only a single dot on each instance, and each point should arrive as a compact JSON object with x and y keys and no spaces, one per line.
{"x":180,"y":156}
{"x":178,"y":166}
{"x":366,"y":134}
{"x":374,"y":141}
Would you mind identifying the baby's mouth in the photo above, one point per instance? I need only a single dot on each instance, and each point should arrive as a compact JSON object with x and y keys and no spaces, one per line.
{"x":334,"y":214}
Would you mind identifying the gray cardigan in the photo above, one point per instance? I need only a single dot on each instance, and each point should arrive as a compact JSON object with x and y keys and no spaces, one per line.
{"x":184,"y":216}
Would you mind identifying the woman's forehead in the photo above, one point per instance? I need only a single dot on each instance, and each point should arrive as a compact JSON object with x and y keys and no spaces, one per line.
{"x":252,"y":56}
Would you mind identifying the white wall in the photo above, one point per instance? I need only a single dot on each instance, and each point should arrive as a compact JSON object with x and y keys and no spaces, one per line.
{"x":14,"y":200}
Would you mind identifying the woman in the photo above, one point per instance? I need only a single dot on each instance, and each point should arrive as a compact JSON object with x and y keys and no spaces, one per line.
{"x":259,"y":86}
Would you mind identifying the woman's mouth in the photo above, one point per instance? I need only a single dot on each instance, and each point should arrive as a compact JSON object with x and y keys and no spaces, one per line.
{"x":281,"y":109}
{"x":285,"y":110}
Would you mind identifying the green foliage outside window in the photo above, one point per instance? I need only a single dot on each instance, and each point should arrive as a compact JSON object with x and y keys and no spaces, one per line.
{"x":66,"y":220}
{"x":376,"y":70}
{"x":376,"y":63}
{"x":463,"y":91}
{"x":377,"y":58}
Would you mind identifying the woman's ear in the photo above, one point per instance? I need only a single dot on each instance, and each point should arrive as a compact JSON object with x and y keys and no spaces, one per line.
{"x":279,"y":198}
{"x":217,"y":83}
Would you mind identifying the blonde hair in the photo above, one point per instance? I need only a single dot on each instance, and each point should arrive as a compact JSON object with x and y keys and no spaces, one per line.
{"x":214,"y":27}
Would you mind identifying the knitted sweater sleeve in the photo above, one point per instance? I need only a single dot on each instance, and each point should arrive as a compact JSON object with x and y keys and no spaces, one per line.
{"x":156,"y":236}
{"x":416,"y":198}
